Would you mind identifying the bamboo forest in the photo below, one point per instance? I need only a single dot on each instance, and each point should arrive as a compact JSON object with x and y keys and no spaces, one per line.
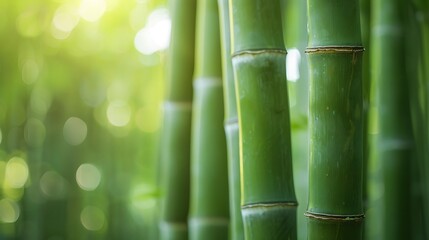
{"x":214,"y":119}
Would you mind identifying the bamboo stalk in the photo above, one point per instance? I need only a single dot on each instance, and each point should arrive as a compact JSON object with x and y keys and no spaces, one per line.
{"x":231,"y":125}
{"x":335,"y":120}
{"x":209,"y":213}
{"x":177,"y":124}
{"x":418,"y":73}
{"x":395,"y":137}
{"x":268,"y":197}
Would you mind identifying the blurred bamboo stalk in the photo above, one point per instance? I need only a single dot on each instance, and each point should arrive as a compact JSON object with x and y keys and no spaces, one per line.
{"x":176,"y":138}
{"x":231,"y":125}
{"x":394,"y":141}
{"x":209,"y":209}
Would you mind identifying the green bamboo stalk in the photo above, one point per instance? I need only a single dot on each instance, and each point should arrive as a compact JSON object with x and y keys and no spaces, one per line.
{"x":417,"y":98}
{"x":209,"y":214}
{"x":268,"y":198}
{"x":231,"y":125}
{"x":419,"y":71}
{"x":366,"y":91}
{"x":177,"y":122}
{"x":395,"y":137}
{"x":335,"y":121}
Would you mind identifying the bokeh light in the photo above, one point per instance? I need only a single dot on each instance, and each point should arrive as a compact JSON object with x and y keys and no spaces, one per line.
{"x":53,"y":185}
{"x":119,"y":113}
{"x":92,"y":10}
{"x":16,"y":173}
{"x":9,"y":211}
{"x":88,"y":177}
{"x":92,"y":218}
{"x":155,"y":36}
{"x":75,"y":131}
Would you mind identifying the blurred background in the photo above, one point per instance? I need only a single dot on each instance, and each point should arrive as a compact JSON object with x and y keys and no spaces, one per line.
{"x":81,"y":87}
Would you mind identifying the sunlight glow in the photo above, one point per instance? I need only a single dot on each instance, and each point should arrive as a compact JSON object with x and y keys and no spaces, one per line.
{"x":155,"y":36}
{"x":293,"y":60}
{"x":16,"y":173}
{"x":66,"y":18}
{"x":9,"y":211}
{"x":92,"y":10}
{"x":75,"y":131}
{"x":88,"y":177}
{"x":92,"y":218}
{"x":119,"y":113}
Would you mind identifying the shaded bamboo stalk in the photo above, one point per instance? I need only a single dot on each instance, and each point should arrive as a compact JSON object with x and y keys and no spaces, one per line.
{"x":335,"y":121}
{"x":418,"y":72}
{"x":295,"y":38}
{"x":231,"y":125}
{"x":176,"y":139}
{"x":209,"y":210}
{"x":394,"y":141}
{"x":268,"y":198}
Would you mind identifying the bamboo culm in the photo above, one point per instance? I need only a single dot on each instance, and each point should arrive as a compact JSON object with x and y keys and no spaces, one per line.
{"x":209,"y":210}
{"x":231,"y":125}
{"x":268,"y":202}
{"x":176,"y":138}
{"x":334,"y":55}
{"x":394,"y":140}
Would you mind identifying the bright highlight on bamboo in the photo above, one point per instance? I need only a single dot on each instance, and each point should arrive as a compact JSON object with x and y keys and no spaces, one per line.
{"x":176,"y":138}
{"x":268,"y":197}
{"x":335,"y":121}
{"x":209,"y":211}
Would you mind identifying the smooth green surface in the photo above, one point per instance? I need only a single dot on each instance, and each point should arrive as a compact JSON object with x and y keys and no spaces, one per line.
{"x":394,"y":140}
{"x":264,"y":128}
{"x":333,"y":23}
{"x":176,"y":158}
{"x":270,"y":222}
{"x":208,"y":229}
{"x":173,"y":231}
{"x":335,"y":126}
{"x":180,"y":58}
{"x":335,"y":118}
{"x":256,"y":25}
{"x":209,"y":212}
{"x":176,"y":138}
{"x":263,"y":114}
{"x":207,"y":48}
{"x":232,"y":139}
{"x":231,"y":125}
{"x":338,"y":230}
{"x":209,"y":177}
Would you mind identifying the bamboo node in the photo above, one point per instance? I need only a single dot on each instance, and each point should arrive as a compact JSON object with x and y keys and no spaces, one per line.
{"x":272,"y":204}
{"x":260,"y":51}
{"x":334,"y":49}
{"x":335,"y":218}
